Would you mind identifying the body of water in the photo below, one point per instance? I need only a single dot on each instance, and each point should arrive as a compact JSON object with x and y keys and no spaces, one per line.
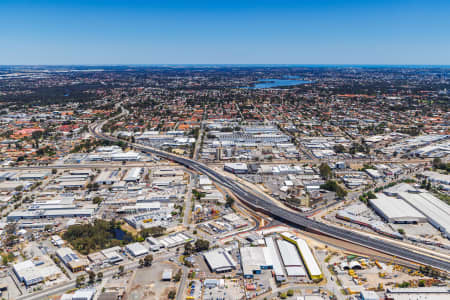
{"x":273,"y":83}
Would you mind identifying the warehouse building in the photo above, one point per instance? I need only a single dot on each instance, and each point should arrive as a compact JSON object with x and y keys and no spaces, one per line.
{"x":291,"y":259}
{"x":395,"y":210}
{"x":175,"y":240}
{"x":255,"y":259}
{"x":136,"y":249}
{"x":309,"y":261}
{"x":236,"y":168}
{"x":9,"y":186}
{"x":437,"y":178}
{"x":219,"y":261}
{"x":437,"y":212}
{"x":434,"y":293}
{"x":277,"y":268}
{"x":72,"y":260}
{"x":36,"y":270}
{"x":133,"y":175}
{"x":126,"y":156}
{"x":140,"y":207}
{"x":108,"y":177}
{"x":33,"y":175}
{"x":44,"y":214}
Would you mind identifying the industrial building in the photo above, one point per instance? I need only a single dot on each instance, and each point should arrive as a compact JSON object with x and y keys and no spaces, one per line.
{"x":175,"y":240}
{"x":236,"y":168}
{"x":277,"y":268}
{"x":395,"y":210}
{"x":72,"y":260}
{"x":133,"y":175}
{"x":108,"y":177}
{"x":43,"y":214}
{"x":136,"y":249}
{"x":255,"y":259}
{"x":150,"y":218}
{"x":81,"y":294}
{"x":435,"y":293}
{"x":219,"y":261}
{"x":126,"y":156}
{"x":291,"y":259}
{"x":36,"y":270}
{"x":437,"y":212}
{"x":309,"y":261}
{"x":377,"y":226}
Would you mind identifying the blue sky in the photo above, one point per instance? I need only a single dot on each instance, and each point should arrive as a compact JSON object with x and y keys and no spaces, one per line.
{"x":225,"y":32}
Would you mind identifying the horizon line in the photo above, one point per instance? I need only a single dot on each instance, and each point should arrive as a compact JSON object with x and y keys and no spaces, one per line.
{"x":221,"y":64}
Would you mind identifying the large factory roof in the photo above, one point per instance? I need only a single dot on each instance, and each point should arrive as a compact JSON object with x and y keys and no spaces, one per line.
{"x":396,"y":210}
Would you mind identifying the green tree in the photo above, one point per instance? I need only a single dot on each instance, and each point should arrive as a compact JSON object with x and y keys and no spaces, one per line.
{"x":156,"y":231}
{"x":325,"y":171}
{"x":148,"y":259}
{"x":92,"y":276}
{"x":201,"y":245}
{"x":80,"y":280}
{"x":177,"y":276}
{"x":171,"y":294}
{"x":229,"y":201}
{"x":188,"y":248}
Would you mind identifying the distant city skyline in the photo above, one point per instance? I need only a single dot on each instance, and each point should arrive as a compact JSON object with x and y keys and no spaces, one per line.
{"x":320,"y":32}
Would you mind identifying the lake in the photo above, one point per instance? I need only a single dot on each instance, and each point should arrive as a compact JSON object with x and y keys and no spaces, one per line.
{"x":272,"y":83}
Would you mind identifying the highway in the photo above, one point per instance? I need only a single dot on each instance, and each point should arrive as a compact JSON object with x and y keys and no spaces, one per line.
{"x":261,"y":203}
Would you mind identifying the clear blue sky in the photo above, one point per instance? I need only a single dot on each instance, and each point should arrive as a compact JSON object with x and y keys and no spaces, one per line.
{"x":222,"y":32}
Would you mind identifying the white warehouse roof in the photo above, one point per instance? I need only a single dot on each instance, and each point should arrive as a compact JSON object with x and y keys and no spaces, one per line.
{"x":136,"y":249}
{"x":396,"y":210}
{"x":219,"y":260}
{"x":289,"y":254}
{"x":436,"y":211}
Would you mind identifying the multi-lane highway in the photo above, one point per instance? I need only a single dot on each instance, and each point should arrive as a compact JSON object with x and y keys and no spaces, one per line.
{"x":261,"y":203}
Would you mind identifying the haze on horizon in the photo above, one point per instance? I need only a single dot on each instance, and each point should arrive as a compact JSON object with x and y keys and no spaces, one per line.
{"x":100,"y":32}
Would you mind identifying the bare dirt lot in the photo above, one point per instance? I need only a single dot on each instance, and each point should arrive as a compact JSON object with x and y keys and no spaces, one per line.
{"x":147,"y":283}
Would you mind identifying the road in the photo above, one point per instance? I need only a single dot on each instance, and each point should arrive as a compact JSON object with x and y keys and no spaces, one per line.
{"x":259,"y":202}
{"x":107,"y":273}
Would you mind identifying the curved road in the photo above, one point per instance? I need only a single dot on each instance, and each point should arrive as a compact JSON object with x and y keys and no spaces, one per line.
{"x":261,"y":203}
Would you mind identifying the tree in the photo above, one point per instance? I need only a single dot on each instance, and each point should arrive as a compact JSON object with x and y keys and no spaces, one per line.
{"x":54,"y":171}
{"x":371,"y":195}
{"x":401,"y":231}
{"x":290,"y":293}
{"x":153,"y":231}
{"x":201,"y":245}
{"x":80,"y":280}
{"x":437,"y":162}
{"x":148,"y":259}
{"x":121,"y":269}
{"x":91,"y":276}
{"x":171,"y":294}
{"x":177,"y":276}
{"x":97,"y":200}
{"x":229,"y":201}
{"x":188,"y":248}
{"x":325,"y":171}
{"x":141,"y":263}
{"x":339,"y":148}
{"x":99,"y":276}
